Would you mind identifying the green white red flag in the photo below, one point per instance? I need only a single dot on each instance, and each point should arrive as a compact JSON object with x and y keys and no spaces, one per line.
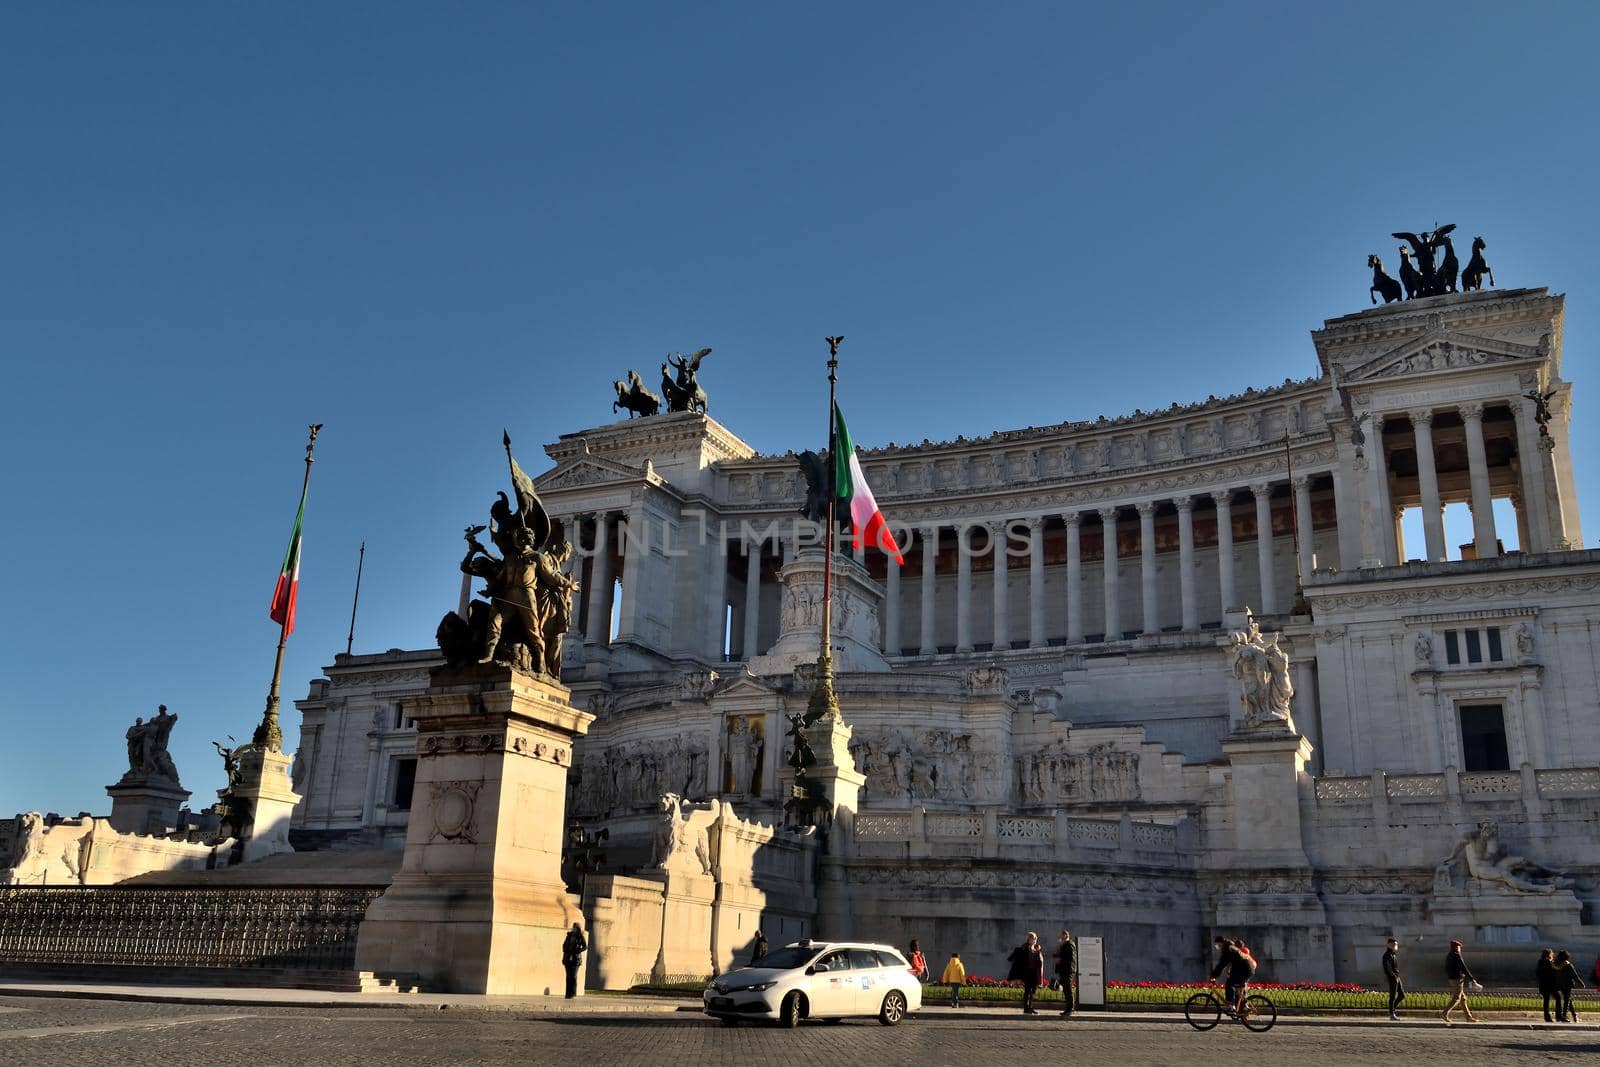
{"x":288,"y":587}
{"x":867,"y":523}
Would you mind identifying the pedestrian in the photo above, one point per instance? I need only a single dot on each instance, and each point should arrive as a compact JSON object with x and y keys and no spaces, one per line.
{"x":919,"y":962}
{"x":1391,"y":973}
{"x":572,"y":950}
{"x":954,"y":976}
{"x":1027,"y":967}
{"x":1564,"y":977}
{"x":758,"y":949}
{"x":1544,"y":974}
{"x":1456,"y":971}
{"x":1066,"y":968}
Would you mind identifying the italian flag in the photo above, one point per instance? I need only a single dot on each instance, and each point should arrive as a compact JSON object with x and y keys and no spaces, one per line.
{"x":283,"y":596}
{"x":866,"y":519}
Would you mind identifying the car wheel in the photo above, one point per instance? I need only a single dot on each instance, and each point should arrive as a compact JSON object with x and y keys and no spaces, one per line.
{"x":789,"y":1011}
{"x":894,"y":1008}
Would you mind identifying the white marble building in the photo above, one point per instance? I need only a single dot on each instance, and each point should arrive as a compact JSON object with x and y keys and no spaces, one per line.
{"x":1050,"y":724}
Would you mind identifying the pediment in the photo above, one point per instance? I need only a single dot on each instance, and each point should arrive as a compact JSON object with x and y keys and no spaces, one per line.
{"x":744,"y":684}
{"x":1440,"y":350}
{"x":587,"y":470}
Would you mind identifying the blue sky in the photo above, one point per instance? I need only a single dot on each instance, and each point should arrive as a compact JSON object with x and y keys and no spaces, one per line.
{"x":418,"y":223}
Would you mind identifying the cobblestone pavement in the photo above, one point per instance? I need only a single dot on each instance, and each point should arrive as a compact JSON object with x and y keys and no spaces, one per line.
{"x":72,"y":1032}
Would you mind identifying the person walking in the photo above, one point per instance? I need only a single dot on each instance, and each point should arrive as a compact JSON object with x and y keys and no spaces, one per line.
{"x":1544,"y":975}
{"x":919,"y":962}
{"x":1458,"y":974}
{"x":758,"y":949}
{"x":1391,"y":973}
{"x":1564,"y":976}
{"x":572,"y":950}
{"x":1027,"y":967}
{"x":1066,"y":968}
{"x":954,"y":976}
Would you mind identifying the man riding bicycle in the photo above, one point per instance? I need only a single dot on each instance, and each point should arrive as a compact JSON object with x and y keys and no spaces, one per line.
{"x":1235,"y":958}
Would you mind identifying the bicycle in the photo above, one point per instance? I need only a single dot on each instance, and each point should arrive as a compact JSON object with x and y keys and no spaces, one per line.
{"x":1204,"y":1011}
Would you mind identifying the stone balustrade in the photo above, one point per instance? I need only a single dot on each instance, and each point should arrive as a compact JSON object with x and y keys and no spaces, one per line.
{"x":992,"y":832}
{"x":1526,"y":784}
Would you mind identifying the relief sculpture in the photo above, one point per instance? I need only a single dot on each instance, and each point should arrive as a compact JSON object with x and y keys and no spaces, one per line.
{"x":907,"y":766}
{"x":1056,"y":775}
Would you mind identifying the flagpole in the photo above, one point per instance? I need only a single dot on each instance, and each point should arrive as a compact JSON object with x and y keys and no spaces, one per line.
{"x":360,"y":562}
{"x":269,"y":735}
{"x":823,"y":701}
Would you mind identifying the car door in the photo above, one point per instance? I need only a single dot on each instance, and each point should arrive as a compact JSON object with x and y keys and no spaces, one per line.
{"x":830,"y":988}
{"x":871,"y":980}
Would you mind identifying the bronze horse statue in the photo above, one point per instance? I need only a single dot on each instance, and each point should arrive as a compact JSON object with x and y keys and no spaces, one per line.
{"x":1477,"y":267}
{"x":684,"y":393}
{"x":1409,"y":275}
{"x":1450,"y":266}
{"x":633,"y":397}
{"x":1381,"y":282}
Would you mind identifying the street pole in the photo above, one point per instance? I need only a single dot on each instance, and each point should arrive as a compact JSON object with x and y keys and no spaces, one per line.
{"x":269,"y":735}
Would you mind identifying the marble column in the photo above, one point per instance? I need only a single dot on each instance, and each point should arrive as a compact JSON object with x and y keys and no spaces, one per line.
{"x":1036,"y":635}
{"x":1191,"y":608}
{"x":1535,"y":497}
{"x":1428,"y":482}
{"x":930,"y":560}
{"x":633,"y":538}
{"x":1147,"y":566}
{"x":717,"y":597}
{"x":1347,"y":534}
{"x":1074,"y":591}
{"x":1302,"y":526}
{"x":752,"y":597}
{"x":1002,"y":605}
{"x":891,"y":607}
{"x":1387,"y":552}
{"x":1230,"y":595}
{"x":1269,"y":591}
{"x":963,"y":589}
{"x":1113,"y":609}
{"x":1478,"y":471}
{"x":1398,"y":515}
{"x":575,"y":569}
{"x":600,"y":583}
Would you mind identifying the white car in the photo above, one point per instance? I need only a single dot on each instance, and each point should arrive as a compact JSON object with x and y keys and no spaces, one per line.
{"x":818,"y":980}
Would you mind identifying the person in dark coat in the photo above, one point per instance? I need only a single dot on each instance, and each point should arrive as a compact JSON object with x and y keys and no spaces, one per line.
{"x":758,"y":949}
{"x":1066,"y":968}
{"x":572,"y":950}
{"x":1456,"y":972}
{"x":1544,"y":974}
{"x":1391,"y":973}
{"x":1564,"y":976}
{"x":1027,"y":967}
{"x":1235,"y":959}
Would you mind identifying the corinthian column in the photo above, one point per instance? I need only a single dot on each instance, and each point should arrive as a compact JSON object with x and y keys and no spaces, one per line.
{"x":1147,"y":565}
{"x":1113,"y":610}
{"x":752,"y":598}
{"x":1074,"y":521}
{"x":1269,"y":592}
{"x":1191,"y":609}
{"x":891,"y":607}
{"x":1302,"y":525}
{"x":1478,"y":473}
{"x":1230,"y":595}
{"x":1428,"y":482}
{"x":1002,"y":605}
{"x":1036,"y":636}
{"x":963,"y":588}
{"x":600,"y":590}
{"x":930,"y":560}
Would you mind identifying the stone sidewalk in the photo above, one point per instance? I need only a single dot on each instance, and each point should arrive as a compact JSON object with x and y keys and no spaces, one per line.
{"x":621,"y":1004}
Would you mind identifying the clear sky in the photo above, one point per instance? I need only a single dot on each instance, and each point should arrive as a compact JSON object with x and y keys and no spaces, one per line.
{"x":420,"y":223}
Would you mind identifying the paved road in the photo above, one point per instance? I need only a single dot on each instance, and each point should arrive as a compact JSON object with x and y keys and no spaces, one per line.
{"x":65,"y":1033}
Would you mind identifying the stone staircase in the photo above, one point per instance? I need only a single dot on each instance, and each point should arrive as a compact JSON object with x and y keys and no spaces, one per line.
{"x":205,"y":977}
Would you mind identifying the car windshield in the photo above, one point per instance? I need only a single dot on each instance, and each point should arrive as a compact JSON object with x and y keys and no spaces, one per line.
{"x":786,"y":959}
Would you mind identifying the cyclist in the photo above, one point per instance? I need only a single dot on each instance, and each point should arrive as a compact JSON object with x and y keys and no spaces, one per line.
{"x":1235,"y":958}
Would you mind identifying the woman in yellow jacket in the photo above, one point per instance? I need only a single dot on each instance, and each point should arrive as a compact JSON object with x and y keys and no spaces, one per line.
{"x":954,"y":976}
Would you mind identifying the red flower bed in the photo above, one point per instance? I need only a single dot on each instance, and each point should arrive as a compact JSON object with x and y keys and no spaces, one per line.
{"x":1319,"y":987}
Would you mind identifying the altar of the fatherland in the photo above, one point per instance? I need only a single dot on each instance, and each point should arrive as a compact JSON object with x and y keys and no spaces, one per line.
{"x":1148,"y":677}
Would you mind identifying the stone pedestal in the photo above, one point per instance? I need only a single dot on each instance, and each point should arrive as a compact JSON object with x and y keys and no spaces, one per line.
{"x":855,"y":617}
{"x":839,"y":783}
{"x":686,"y":928}
{"x":146,"y":805}
{"x":479,"y":905}
{"x":265,"y":789}
{"x":1268,"y":768}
